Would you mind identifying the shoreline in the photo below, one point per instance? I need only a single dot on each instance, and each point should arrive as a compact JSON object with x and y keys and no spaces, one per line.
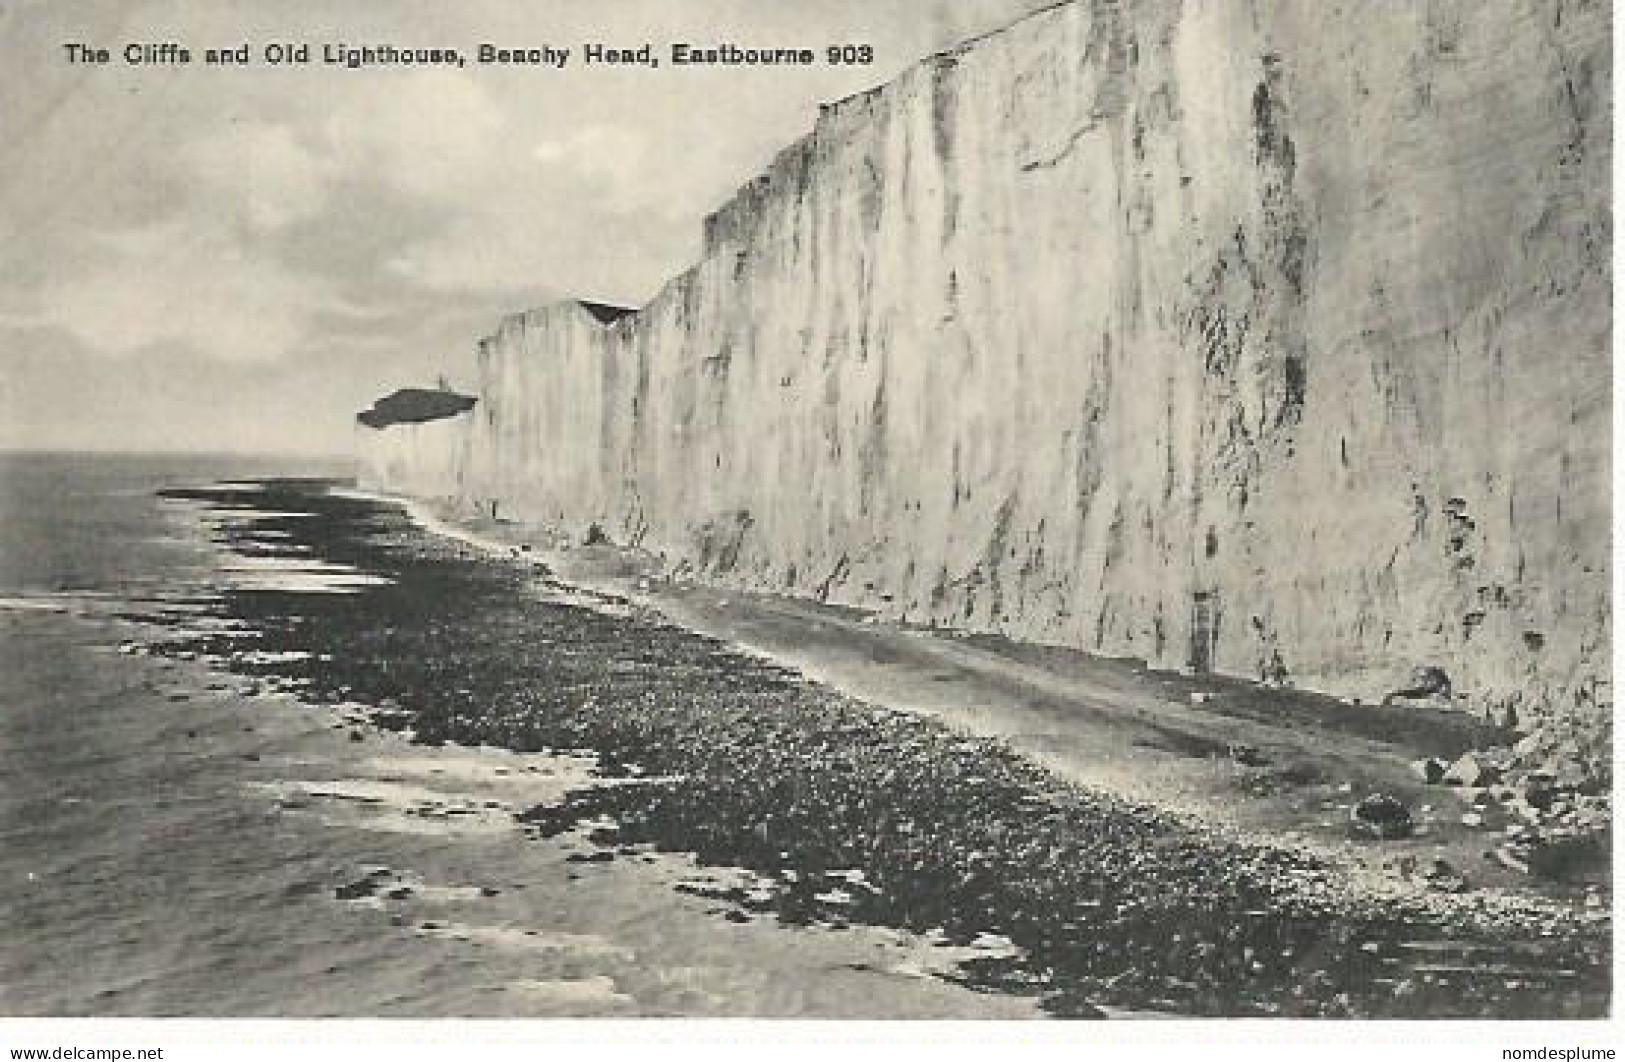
{"x":326,"y":877}
{"x":1186,"y":745}
{"x":853,"y":814}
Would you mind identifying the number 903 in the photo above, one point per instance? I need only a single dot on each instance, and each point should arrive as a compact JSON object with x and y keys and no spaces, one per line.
{"x":850,"y":55}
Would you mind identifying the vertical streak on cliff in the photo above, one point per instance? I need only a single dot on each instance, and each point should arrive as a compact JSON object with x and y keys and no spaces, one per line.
{"x":1262,"y":336}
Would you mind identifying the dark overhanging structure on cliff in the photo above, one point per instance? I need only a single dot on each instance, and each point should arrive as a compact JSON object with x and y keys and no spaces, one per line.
{"x":605,"y":312}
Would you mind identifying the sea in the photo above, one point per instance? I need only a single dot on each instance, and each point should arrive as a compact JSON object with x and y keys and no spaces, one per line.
{"x":180,"y":840}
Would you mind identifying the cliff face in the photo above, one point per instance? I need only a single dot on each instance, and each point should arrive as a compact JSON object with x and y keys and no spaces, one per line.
{"x":1267,"y":337}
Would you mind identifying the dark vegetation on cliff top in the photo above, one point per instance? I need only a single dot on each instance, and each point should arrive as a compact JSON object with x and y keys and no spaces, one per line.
{"x":858,"y":814}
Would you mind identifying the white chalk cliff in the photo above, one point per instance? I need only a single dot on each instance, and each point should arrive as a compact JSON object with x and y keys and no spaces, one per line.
{"x":1264,"y":336}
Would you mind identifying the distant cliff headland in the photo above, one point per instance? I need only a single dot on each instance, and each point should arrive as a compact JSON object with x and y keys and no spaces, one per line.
{"x":1257,"y":337}
{"x":414,"y":405}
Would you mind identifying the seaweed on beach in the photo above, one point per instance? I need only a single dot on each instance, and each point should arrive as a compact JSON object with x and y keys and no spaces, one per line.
{"x":859,"y":814}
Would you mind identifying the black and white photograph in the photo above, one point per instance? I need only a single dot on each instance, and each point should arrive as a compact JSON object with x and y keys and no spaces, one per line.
{"x":843,"y":512}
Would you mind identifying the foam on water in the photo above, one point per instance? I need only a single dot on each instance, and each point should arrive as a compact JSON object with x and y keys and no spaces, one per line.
{"x":380,"y":806}
{"x":296,"y":576}
{"x":516,"y":938}
{"x":257,"y":657}
{"x":40,"y":603}
{"x":456,"y":791}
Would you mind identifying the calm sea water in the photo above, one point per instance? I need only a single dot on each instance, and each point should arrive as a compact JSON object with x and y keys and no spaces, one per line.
{"x":93,"y":522}
{"x":181,"y":841}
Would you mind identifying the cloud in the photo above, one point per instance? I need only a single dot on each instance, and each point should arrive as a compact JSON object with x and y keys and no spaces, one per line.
{"x":234,"y":270}
{"x":320,"y":235}
{"x":518,"y":208}
{"x":204,"y":277}
{"x":612,"y":159}
{"x":430,"y":134}
{"x":181,"y":285}
{"x":259,"y":175}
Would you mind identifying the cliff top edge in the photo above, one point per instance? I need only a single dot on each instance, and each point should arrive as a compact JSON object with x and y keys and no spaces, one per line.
{"x":829,"y":112}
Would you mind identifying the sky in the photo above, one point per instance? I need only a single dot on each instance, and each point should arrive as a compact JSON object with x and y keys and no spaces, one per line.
{"x":239,"y":259}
